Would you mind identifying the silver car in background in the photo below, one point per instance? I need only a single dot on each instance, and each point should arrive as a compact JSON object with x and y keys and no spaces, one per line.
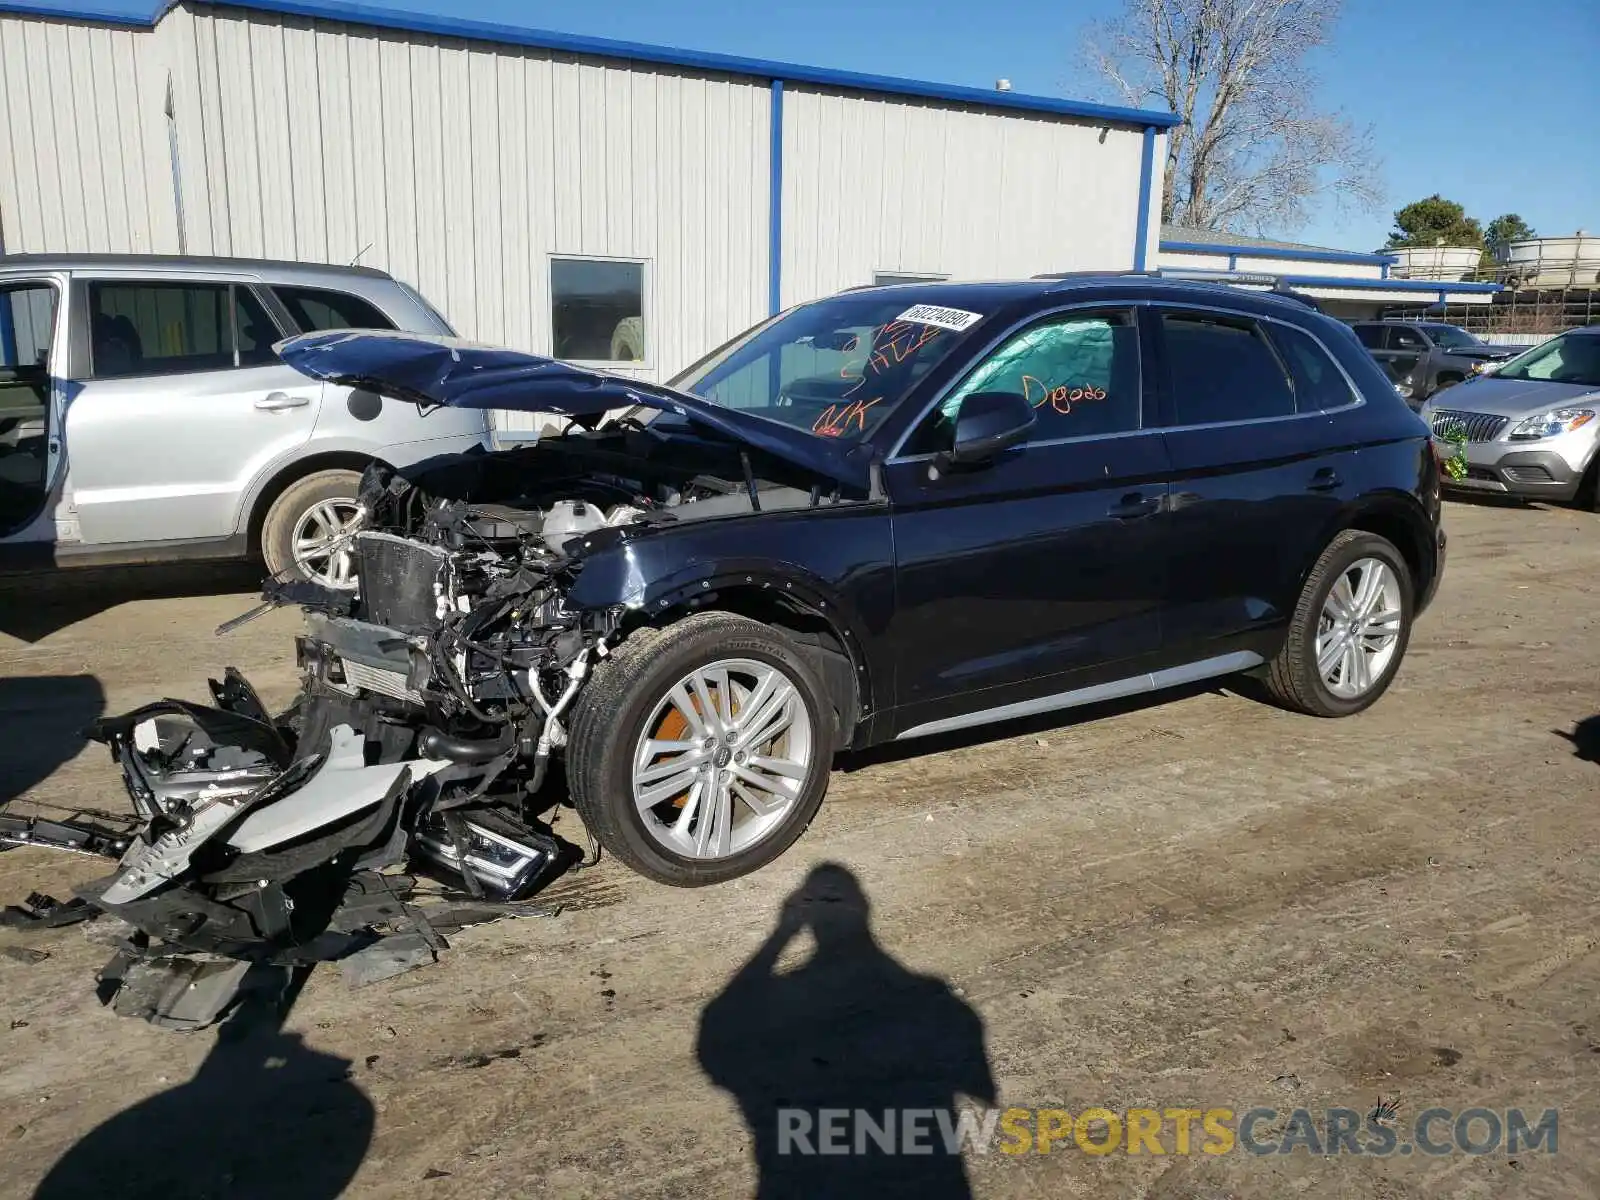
{"x":1531,"y":427}
{"x":145,"y":417}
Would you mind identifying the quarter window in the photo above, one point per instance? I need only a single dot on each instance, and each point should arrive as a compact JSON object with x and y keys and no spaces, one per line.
{"x":1222,"y":369}
{"x":1080,"y":374}
{"x":1318,"y":383}
{"x":597,"y":310}
{"x":316,"y":309}
{"x":166,"y":328}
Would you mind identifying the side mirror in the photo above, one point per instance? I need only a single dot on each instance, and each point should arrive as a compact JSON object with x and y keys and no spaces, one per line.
{"x":988,"y":423}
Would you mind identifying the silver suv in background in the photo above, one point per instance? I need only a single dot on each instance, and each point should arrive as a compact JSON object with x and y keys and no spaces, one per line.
{"x":1532,"y":427}
{"x":145,"y":417}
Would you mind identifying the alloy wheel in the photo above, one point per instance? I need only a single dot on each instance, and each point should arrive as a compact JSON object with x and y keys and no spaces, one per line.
{"x":322,"y":542}
{"x":1358,"y":633}
{"x":723,"y":758}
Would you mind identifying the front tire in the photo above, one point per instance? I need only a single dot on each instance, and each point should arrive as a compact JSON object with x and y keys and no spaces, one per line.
{"x":700,"y":752}
{"x":1349,"y":631}
{"x":306,"y":531}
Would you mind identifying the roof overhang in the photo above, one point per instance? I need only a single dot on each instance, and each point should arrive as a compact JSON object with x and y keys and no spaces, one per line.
{"x":439,"y":25}
{"x":1336,"y":287}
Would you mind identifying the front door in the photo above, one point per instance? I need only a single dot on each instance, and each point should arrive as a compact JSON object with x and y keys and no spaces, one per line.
{"x":182,"y":404}
{"x":1041,"y":572}
{"x":1258,"y":474}
{"x":29,"y":449}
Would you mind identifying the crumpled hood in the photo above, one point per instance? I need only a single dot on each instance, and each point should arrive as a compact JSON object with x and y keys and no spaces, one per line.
{"x":449,"y":371}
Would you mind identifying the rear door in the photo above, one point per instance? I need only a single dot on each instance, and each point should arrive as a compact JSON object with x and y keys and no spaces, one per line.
{"x":180,"y":404}
{"x":1259,"y":472}
{"x":1043,"y":571}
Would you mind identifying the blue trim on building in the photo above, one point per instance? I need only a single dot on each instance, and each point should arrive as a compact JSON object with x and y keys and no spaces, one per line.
{"x":775,"y":205}
{"x":1433,"y":286}
{"x":1141,"y":228}
{"x":518,"y":35}
{"x":1313,"y":255}
{"x":1393,"y":285}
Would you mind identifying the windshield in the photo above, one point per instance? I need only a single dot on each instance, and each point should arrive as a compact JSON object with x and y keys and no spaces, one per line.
{"x":1569,"y":358}
{"x":834,"y":368}
{"x":1450,"y":336}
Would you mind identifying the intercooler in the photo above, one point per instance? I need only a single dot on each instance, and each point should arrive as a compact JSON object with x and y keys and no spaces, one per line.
{"x":385,"y":683}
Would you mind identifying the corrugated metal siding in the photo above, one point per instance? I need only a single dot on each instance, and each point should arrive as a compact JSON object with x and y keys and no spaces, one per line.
{"x":900,"y":185}
{"x":462,"y":168}
{"x":458,"y":167}
{"x":83,"y":164}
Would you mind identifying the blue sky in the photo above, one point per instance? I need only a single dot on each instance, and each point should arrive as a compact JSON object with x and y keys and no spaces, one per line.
{"x":1492,"y":103}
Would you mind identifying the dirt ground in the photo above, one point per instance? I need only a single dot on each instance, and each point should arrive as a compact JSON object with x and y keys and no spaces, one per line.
{"x":1207,"y":903}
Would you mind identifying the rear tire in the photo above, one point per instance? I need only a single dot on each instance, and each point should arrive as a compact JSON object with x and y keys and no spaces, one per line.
{"x":1340,"y":685}
{"x":627,"y":708}
{"x":305,"y":511}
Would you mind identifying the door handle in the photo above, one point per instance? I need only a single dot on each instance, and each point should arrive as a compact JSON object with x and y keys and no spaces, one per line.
{"x":1133,"y":506}
{"x":1325,"y":480}
{"x":278,"y":401}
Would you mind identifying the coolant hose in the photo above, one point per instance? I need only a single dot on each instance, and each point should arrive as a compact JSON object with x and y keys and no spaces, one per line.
{"x":437,"y":745}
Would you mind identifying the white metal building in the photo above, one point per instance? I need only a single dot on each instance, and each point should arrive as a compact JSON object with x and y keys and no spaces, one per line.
{"x":600,"y":201}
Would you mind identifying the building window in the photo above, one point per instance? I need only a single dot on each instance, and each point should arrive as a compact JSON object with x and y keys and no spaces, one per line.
{"x":597,"y":310}
{"x":885,"y":278}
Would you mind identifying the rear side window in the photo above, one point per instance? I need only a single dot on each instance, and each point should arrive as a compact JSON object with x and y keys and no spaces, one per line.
{"x":316,"y":309}
{"x":1223,"y":369}
{"x":139,"y":328}
{"x":1371,"y":336}
{"x":1318,"y":382}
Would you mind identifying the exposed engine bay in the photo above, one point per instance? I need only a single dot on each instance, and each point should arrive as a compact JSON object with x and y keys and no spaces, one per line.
{"x":432,"y":703}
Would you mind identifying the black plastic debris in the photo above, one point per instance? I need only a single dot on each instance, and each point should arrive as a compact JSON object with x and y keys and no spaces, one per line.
{"x":39,"y":911}
{"x":78,"y":837}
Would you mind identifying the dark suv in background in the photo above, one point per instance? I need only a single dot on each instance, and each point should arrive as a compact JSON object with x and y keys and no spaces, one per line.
{"x":1422,"y":358}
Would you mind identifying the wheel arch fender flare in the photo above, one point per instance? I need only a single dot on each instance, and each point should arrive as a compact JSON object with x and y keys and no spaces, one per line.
{"x":1400,"y":519}
{"x":759,"y":588}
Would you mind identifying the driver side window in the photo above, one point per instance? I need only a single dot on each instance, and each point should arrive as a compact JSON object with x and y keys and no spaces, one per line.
{"x":1080,"y":373}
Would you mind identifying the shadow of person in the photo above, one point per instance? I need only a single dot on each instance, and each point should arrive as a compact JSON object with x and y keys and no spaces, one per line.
{"x":1585,"y":738}
{"x":264,"y":1117}
{"x":42,"y":718}
{"x":847,"y":1068}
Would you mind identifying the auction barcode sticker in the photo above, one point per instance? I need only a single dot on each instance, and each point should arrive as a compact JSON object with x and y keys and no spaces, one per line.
{"x":944,"y":318}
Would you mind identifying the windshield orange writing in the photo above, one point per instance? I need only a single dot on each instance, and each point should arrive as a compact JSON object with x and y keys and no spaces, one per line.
{"x":836,"y":419}
{"x":892,"y":344}
{"x":1037,"y":393}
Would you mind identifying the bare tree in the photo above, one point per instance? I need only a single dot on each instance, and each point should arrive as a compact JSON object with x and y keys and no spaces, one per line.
{"x":1253,"y":153}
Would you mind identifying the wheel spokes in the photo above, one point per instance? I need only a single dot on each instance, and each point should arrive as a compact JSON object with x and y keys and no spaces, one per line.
{"x":723,"y":759}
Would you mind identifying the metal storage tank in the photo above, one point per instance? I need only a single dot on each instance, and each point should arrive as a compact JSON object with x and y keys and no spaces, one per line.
{"x":609,"y":202}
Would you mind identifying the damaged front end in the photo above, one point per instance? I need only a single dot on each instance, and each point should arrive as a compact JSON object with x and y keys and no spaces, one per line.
{"x":433,"y":700}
